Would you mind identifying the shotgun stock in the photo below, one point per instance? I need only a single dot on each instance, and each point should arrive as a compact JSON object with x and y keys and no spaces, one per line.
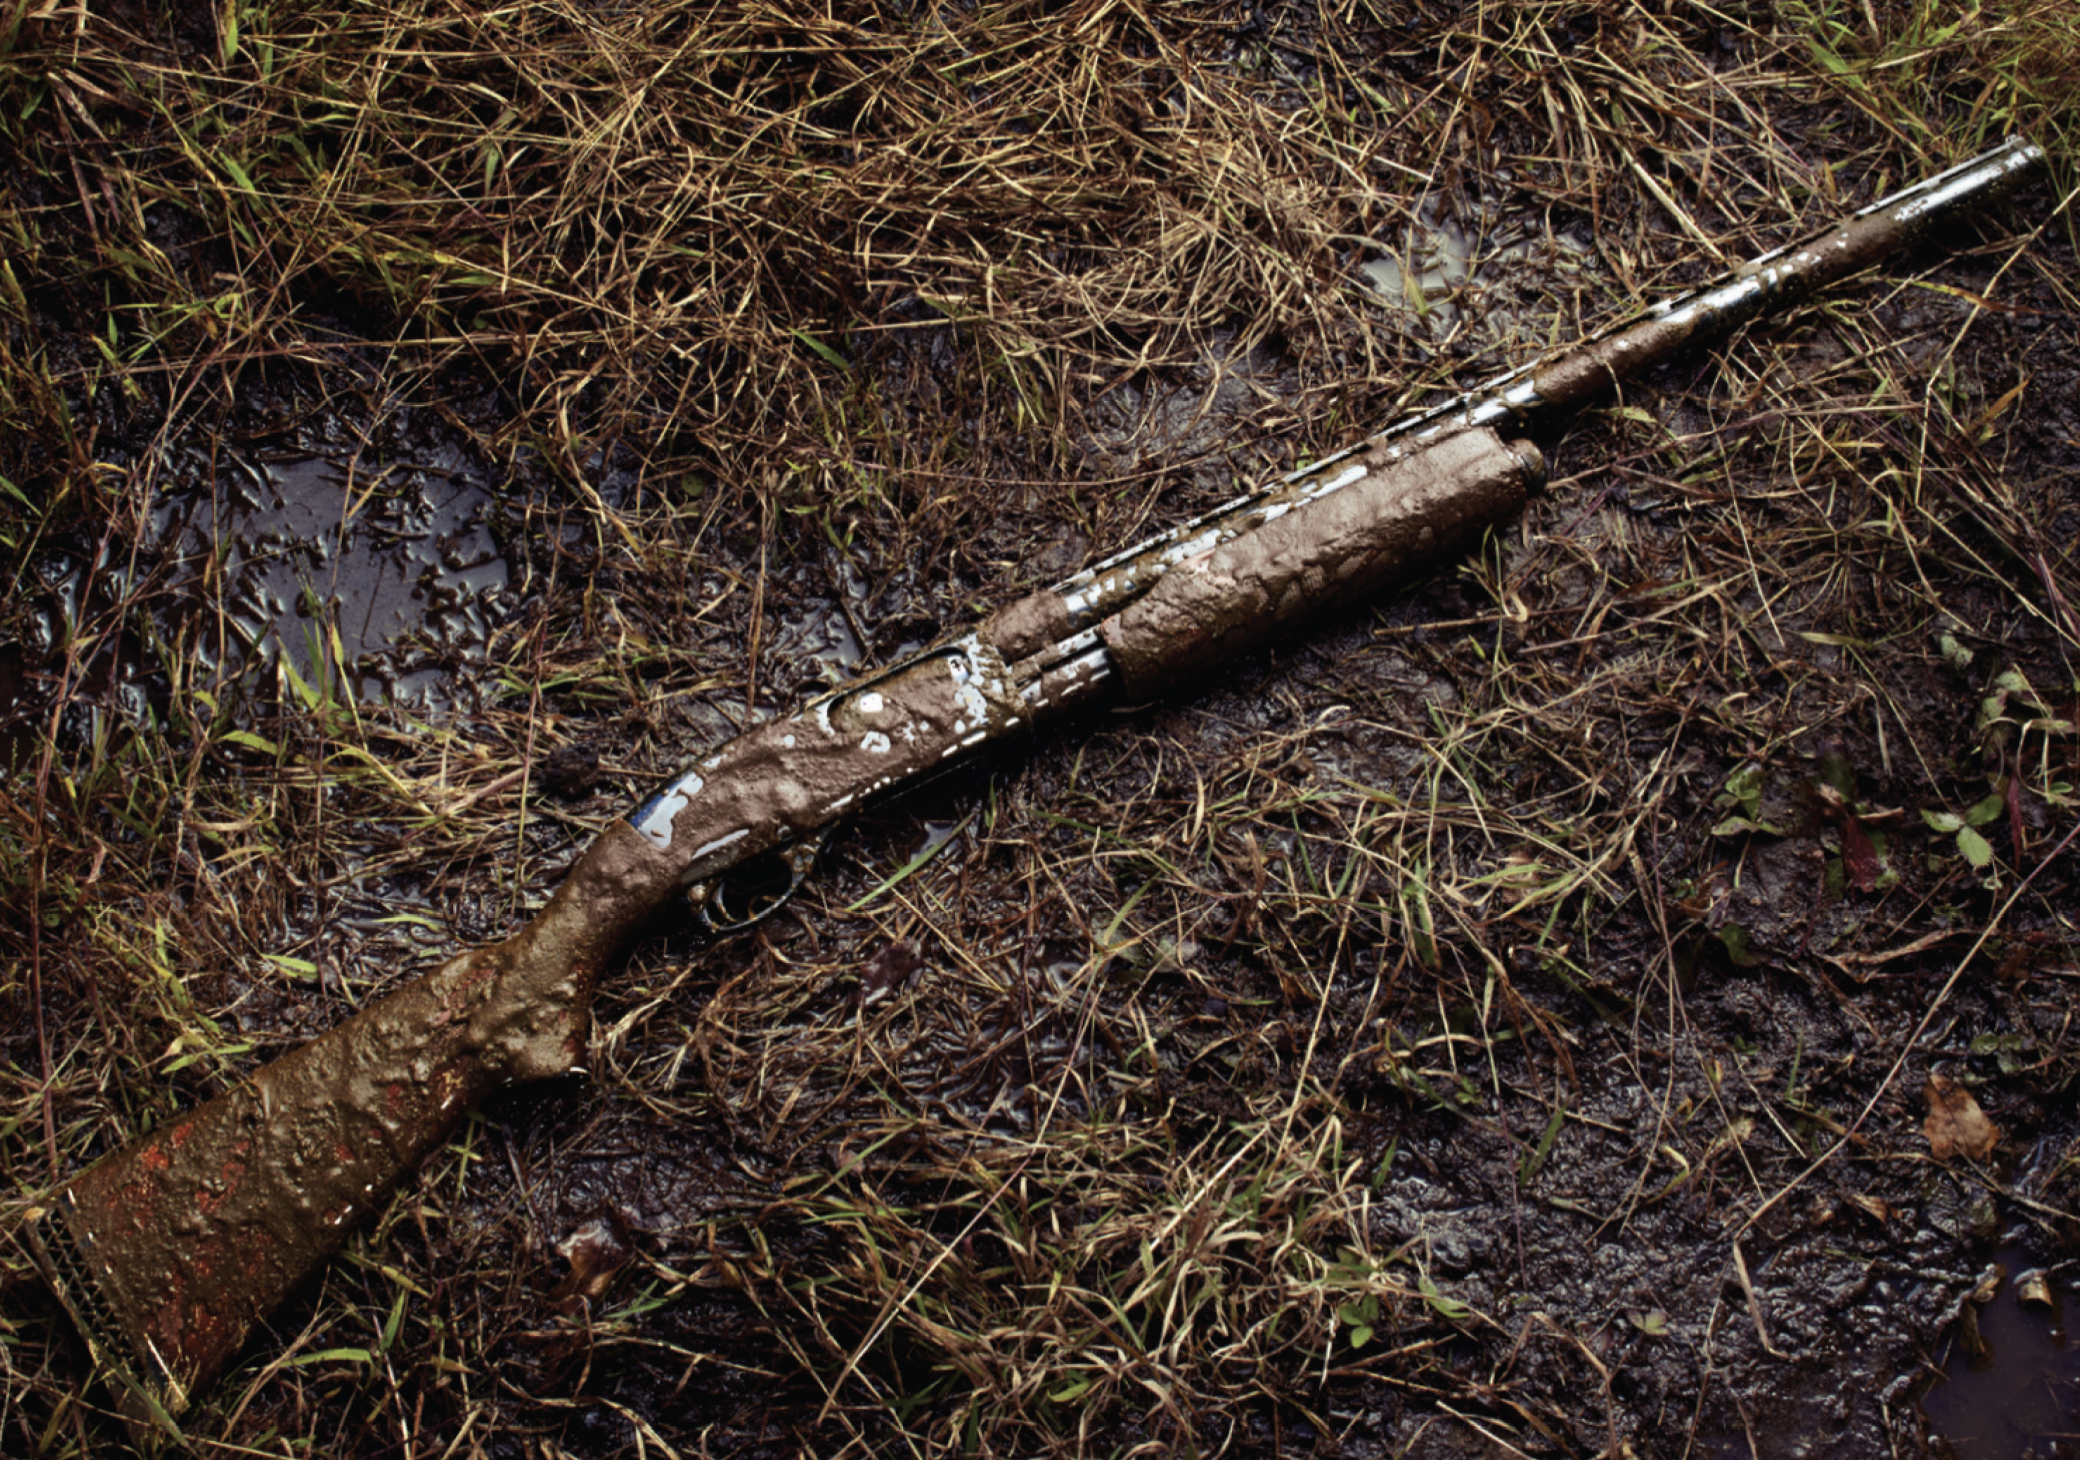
{"x":168,"y":1251}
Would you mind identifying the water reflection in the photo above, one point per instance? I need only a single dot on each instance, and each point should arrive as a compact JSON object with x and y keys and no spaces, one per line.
{"x":2016,"y":1391}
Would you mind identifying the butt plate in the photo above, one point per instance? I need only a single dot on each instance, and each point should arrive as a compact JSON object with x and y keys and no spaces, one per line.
{"x":150,"y":1396}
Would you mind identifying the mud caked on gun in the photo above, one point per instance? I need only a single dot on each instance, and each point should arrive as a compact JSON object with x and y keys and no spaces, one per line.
{"x":168,"y":1251}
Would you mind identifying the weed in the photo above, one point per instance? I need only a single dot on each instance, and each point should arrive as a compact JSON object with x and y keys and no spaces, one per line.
{"x":1323,"y":1058}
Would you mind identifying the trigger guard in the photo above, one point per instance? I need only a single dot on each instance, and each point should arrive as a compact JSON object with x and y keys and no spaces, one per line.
{"x":707,"y":898}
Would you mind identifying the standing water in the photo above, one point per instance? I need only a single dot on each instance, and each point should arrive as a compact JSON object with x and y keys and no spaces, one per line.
{"x":368,"y":580}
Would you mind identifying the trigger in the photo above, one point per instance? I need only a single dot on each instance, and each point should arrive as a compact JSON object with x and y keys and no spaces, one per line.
{"x":710,"y":900}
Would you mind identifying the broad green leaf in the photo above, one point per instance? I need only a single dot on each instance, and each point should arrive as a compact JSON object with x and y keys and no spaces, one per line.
{"x":1977,"y":850}
{"x":1448,"y":1308}
{"x":238,"y":174}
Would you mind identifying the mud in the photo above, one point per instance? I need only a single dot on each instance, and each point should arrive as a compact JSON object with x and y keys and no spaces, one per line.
{"x":169,"y":1251}
{"x":630,"y":1245}
{"x":1462,"y":263}
{"x":1403,"y":512}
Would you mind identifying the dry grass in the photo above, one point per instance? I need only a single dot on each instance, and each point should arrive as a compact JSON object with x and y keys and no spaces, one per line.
{"x":1392,"y":1043}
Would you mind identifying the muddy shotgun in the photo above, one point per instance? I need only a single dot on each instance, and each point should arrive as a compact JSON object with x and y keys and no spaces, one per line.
{"x":167,"y":1252}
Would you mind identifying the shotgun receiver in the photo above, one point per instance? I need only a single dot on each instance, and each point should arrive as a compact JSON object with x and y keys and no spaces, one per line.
{"x":168,"y":1251}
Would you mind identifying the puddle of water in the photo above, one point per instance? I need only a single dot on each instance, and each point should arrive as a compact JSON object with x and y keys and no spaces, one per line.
{"x":825,"y":637}
{"x":936,"y":835}
{"x":1424,"y":275}
{"x":2020,"y":1394}
{"x":371,"y":581}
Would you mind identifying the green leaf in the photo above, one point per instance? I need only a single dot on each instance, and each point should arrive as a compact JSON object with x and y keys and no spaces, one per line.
{"x":1837,"y":772}
{"x":251,"y":742}
{"x":829,"y":355}
{"x":1075,"y":1389}
{"x":1985,"y":811}
{"x":329,"y":1356}
{"x":394,"y":1322}
{"x":1829,"y":60}
{"x":229,"y":1051}
{"x":1535,"y":1159}
{"x":1743,"y":789}
{"x":1386,"y":1164}
{"x":238,"y":174}
{"x":1943,"y":821}
{"x":1977,"y":850}
{"x":1361,"y":1335}
{"x":1450,"y":1309}
{"x":1735,"y":939}
{"x":930,"y":850}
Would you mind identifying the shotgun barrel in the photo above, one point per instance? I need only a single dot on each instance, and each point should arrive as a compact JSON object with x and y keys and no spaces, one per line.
{"x":170,"y":1250}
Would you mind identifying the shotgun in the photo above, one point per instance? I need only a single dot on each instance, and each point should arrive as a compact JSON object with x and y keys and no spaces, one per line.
{"x":167,"y":1252}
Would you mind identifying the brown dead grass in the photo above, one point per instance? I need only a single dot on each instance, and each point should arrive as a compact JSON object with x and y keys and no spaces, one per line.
{"x":1431,"y":902}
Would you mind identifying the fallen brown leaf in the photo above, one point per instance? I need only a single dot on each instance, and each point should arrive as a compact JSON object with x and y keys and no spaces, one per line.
{"x":1859,"y":853}
{"x":1955,"y":1122}
{"x":596,"y":1252}
{"x":887,"y":970}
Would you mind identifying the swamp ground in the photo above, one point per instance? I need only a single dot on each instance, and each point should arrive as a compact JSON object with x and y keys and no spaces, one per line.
{"x":1555,"y":1010}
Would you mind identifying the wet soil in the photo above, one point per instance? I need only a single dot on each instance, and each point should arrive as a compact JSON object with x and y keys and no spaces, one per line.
{"x":1598,"y":915}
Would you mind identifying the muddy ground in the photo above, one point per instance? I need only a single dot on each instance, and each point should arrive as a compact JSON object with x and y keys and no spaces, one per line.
{"x":1554,"y":1010}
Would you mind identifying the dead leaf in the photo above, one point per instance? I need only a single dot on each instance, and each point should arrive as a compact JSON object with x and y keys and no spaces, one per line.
{"x":1860,"y":854}
{"x":886,"y":971}
{"x":1876,"y":1208}
{"x":1975,"y":1344}
{"x":595,"y":1251}
{"x":1956,"y":1123}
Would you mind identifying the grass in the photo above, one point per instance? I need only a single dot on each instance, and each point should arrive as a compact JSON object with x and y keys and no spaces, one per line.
{"x":1385,"y":1048}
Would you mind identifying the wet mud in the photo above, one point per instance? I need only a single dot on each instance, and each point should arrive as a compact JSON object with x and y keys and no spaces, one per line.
{"x":1570,"y":978}
{"x":1468,"y":263}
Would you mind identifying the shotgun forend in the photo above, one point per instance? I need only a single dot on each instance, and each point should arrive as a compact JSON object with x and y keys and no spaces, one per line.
{"x":168,"y":1251}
